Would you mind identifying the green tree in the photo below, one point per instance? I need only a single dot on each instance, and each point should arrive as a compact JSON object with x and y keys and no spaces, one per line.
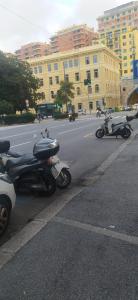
{"x":65,"y":93}
{"x":17,"y":82}
{"x":6,"y":108}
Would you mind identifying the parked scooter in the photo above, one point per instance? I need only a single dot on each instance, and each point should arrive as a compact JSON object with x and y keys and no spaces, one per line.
{"x":56,"y":168}
{"x":31,"y":172}
{"x":122,"y":129}
{"x":60,"y":169}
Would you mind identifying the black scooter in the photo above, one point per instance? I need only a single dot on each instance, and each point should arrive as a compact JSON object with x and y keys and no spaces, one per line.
{"x":122,"y":129}
{"x":31,"y":172}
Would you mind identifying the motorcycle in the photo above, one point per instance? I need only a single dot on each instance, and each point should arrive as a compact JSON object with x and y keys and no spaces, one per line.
{"x":122,"y":129}
{"x":31,"y":172}
{"x":71,"y":117}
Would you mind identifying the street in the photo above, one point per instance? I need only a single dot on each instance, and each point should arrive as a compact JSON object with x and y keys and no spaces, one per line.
{"x":81,"y":243}
{"x":78,"y":147}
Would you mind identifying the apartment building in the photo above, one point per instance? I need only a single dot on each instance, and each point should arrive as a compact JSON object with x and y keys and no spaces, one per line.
{"x":118,"y":30}
{"x":96,"y":63}
{"x":124,"y":42}
{"x":33,"y":50}
{"x":118,"y":17}
{"x":74,"y":37}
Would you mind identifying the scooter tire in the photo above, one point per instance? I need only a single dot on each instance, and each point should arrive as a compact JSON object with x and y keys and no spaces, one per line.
{"x":50,"y":183}
{"x":126,"y":133}
{"x":99,"y":133}
{"x":64,"y":179}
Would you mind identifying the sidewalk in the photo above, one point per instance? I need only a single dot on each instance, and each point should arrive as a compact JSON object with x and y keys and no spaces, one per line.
{"x":89,"y":250}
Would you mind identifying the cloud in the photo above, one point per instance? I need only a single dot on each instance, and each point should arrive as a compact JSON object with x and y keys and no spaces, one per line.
{"x":25,"y":21}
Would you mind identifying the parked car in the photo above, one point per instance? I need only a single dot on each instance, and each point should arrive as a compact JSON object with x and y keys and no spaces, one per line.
{"x":81,"y":111}
{"x":7,"y":201}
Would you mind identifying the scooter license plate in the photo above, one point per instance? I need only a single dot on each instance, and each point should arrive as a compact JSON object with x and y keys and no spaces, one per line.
{"x":55,"y":172}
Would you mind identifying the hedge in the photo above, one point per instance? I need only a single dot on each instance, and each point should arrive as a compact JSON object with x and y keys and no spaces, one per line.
{"x":17,"y":119}
{"x":60,"y":115}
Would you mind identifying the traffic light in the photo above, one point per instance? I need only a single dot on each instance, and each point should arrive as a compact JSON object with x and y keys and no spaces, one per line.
{"x":87,"y":81}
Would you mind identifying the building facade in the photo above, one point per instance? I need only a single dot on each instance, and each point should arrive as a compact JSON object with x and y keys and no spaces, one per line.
{"x":118,"y":17}
{"x":118,"y":30}
{"x":74,"y":37}
{"x":96,"y":63}
{"x":33,"y":50}
{"x":124,"y":42}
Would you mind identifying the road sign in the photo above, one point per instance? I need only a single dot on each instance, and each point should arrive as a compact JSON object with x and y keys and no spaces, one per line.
{"x":135,"y":69}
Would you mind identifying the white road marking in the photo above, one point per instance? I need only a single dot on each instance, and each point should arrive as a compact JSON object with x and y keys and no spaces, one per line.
{"x":74,"y":129}
{"x":20,"y":144}
{"x":88,"y":135}
{"x":99,"y":230}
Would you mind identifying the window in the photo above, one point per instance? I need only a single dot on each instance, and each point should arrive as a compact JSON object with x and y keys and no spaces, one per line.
{"x":41,"y":82}
{"x":70,"y":63}
{"x":90,"y":105}
{"x":49,"y":68}
{"x":87,"y":60}
{"x":76,"y":62}
{"x":125,"y":71}
{"x":43,"y":95}
{"x":124,"y":30}
{"x":56,"y":66}
{"x":67,"y":77}
{"x":124,"y":36}
{"x":35,"y":70}
{"x":79,"y":105}
{"x":77,"y":76}
{"x":97,"y":88}
{"x":57,"y":79}
{"x":124,"y":44}
{"x":89,"y":89}
{"x":96,"y":73}
{"x":88,"y":75}
{"x":50,"y":81}
{"x":52,"y":94}
{"x":78,"y":91}
{"x":65,"y":64}
{"x":95,"y":60}
{"x":40,"y":69}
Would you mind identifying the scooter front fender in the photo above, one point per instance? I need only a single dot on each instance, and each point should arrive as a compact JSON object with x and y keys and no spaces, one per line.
{"x":57,"y":168}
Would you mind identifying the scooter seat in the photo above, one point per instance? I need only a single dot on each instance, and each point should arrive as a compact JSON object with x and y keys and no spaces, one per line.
{"x":24,"y":159}
{"x":113,"y":125}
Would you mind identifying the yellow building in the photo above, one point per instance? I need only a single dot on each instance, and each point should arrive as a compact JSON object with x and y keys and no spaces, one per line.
{"x":124,"y":42}
{"x":97,"y":63}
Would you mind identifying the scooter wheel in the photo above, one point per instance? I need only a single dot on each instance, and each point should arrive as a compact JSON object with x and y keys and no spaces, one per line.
{"x":99,"y":133}
{"x":5,"y":211}
{"x":50,"y":184}
{"x":126,"y":133}
{"x":64,"y":179}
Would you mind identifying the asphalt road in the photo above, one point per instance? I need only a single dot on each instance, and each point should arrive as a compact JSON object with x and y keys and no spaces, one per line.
{"x":78,"y":147}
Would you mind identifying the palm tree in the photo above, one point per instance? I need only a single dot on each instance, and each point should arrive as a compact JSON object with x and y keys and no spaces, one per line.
{"x":65,"y":93}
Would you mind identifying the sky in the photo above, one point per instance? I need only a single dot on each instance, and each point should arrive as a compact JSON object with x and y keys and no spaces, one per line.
{"x":25,"y":21}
